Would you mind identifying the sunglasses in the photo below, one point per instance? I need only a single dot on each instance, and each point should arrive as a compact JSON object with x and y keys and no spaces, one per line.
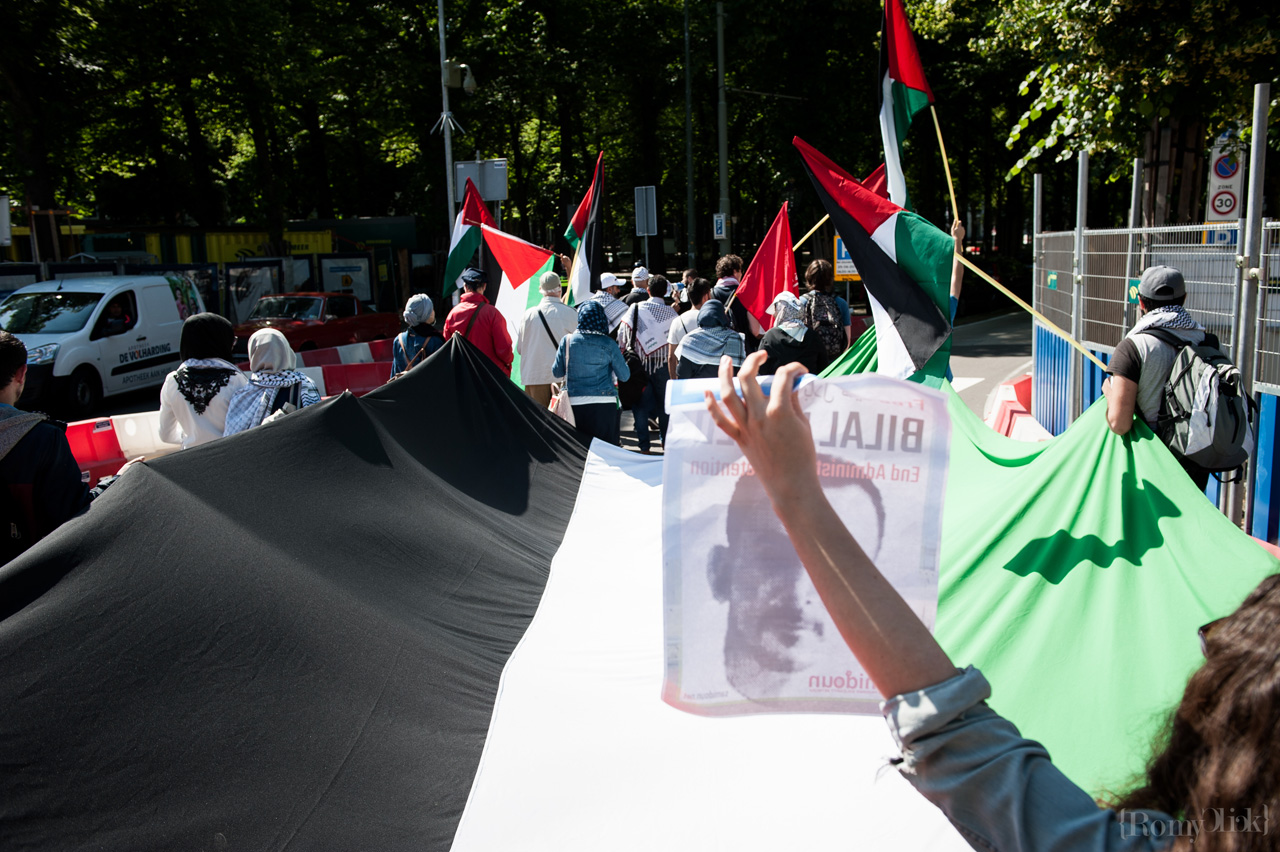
{"x":1206,"y":632}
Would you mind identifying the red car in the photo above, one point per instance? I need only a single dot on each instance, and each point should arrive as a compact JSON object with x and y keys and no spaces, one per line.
{"x":316,"y":321}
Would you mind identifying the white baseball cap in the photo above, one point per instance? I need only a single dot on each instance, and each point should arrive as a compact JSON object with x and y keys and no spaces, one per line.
{"x":608,"y":279}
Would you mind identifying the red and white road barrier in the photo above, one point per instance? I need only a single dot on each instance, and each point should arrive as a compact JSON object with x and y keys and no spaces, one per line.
{"x":1011,"y":415}
{"x":101,"y":446}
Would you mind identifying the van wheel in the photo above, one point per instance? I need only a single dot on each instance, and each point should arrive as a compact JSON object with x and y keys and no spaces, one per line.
{"x":308,"y":346}
{"x":83,"y":393}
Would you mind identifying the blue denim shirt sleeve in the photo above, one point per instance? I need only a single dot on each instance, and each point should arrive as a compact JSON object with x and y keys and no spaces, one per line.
{"x":557,"y":368}
{"x":1000,"y":790}
{"x":398,"y":359}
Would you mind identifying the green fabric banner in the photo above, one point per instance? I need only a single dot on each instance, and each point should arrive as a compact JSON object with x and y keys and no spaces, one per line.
{"x":1074,"y":574}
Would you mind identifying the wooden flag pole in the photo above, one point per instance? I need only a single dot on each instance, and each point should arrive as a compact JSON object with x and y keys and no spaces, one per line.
{"x":812,"y":231}
{"x":1048,"y":324}
{"x":946,"y":164}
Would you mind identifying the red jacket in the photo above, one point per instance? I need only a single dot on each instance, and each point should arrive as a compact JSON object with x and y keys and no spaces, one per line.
{"x":489,"y":332}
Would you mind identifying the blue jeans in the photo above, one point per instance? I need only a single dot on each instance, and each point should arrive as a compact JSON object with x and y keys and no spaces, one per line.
{"x":652,"y":404}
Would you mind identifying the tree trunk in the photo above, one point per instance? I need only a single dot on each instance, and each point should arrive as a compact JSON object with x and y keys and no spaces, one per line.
{"x":320,"y":194}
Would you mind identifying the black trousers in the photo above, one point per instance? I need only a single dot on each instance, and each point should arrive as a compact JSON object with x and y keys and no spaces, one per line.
{"x":599,"y":420}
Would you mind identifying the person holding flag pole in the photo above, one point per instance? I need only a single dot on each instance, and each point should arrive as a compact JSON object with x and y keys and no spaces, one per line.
{"x":904,"y":93}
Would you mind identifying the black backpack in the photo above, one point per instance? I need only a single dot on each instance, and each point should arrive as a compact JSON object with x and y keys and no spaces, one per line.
{"x":822,"y":315}
{"x":630,"y":391}
{"x":1225,"y":446}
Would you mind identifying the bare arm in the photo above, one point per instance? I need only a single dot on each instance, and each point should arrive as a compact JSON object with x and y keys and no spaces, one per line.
{"x":1122,"y":398}
{"x":957,"y":268}
{"x":884,"y":633}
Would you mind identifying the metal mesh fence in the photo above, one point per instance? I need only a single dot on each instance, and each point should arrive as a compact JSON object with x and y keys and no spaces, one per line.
{"x":1268,"y":363}
{"x":1053,"y":277}
{"x":1108,"y":260}
{"x":1206,"y":256}
{"x":1114,"y":260}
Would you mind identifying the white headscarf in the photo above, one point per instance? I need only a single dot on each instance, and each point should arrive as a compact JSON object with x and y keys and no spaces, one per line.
{"x":269,"y":352}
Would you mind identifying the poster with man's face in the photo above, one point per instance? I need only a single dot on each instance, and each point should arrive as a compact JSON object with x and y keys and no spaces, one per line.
{"x":745,"y":629}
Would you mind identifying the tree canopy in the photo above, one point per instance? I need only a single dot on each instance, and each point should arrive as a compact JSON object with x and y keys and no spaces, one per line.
{"x":218,"y":112}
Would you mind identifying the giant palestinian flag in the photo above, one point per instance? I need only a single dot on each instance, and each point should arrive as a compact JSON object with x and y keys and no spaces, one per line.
{"x":905,"y":264}
{"x":466,"y":236}
{"x":522,"y":265}
{"x":407,"y":622}
{"x":586,"y":233}
{"x":904,"y":91}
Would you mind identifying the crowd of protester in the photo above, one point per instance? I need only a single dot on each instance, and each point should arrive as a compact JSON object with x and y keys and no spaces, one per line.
{"x":614,"y":352}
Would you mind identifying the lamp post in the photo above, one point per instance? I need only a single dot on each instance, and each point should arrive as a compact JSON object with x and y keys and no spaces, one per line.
{"x":723,"y":114}
{"x":688,"y":145}
{"x":446,"y":117}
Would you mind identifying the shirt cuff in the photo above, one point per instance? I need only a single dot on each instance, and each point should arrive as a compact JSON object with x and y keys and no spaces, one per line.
{"x":917,"y":714}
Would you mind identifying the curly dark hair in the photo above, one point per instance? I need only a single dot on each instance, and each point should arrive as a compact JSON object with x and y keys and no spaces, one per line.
{"x":1219,"y":749}
{"x":13,"y":357}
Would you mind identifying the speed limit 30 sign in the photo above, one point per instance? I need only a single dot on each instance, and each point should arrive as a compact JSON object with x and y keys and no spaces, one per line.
{"x":1225,"y":204}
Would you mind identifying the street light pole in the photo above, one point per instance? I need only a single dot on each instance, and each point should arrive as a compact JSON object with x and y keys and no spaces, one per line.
{"x":688,"y":144}
{"x":446,"y":117}
{"x":724,"y":129}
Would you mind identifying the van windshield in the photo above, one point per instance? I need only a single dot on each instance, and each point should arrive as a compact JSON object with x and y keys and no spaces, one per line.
{"x":47,"y":313}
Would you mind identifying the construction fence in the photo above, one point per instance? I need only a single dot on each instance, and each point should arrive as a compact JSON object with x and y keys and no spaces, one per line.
{"x":1085,"y":282}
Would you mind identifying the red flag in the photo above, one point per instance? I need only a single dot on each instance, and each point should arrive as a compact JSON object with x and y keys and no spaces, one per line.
{"x":877,"y":182}
{"x":519,"y":260}
{"x":772,"y":270}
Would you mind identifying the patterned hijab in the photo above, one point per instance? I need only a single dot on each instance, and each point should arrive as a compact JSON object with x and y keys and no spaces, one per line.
{"x":592,"y":319}
{"x":786,"y":315}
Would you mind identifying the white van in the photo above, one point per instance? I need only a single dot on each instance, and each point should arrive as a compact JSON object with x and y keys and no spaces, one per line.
{"x":88,"y":338}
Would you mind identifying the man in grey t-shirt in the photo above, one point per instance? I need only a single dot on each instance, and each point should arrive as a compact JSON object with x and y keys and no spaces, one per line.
{"x":1141,"y":364}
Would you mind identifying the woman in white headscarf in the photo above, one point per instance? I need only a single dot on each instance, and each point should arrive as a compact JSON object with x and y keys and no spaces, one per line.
{"x":422,"y":338}
{"x":789,"y":340}
{"x":273,"y":383}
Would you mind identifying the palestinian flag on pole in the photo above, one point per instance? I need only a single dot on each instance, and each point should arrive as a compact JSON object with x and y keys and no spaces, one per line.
{"x":905,"y":264}
{"x":903,"y":93}
{"x":466,"y":236}
{"x":578,"y":224}
{"x":522,"y":265}
{"x":586,"y":233}
{"x":772,"y":270}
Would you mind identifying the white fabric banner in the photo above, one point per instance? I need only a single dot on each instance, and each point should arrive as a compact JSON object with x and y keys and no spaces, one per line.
{"x":745,"y":629}
{"x":582,"y":754}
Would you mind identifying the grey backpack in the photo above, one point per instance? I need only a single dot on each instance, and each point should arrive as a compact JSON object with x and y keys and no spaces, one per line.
{"x":1218,"y":437}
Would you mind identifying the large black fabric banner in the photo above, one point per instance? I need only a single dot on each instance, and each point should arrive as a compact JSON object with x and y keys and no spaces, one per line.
{"x":290,"y":638}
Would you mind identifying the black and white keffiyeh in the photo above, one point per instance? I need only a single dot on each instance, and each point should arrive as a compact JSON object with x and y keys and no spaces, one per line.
{"x":252,"y":403}
{"x":201,"y":379}
{"x":1167,"y":316}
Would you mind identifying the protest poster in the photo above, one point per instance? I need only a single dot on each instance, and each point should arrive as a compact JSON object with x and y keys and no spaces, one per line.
{"x":745,"y":630}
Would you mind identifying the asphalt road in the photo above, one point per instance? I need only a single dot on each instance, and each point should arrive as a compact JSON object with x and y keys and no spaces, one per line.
{"x":988,"y":352}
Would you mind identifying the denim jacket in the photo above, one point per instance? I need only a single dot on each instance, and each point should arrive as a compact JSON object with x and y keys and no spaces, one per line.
{"x":999,"y":790}
{"x":594,"y":361}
